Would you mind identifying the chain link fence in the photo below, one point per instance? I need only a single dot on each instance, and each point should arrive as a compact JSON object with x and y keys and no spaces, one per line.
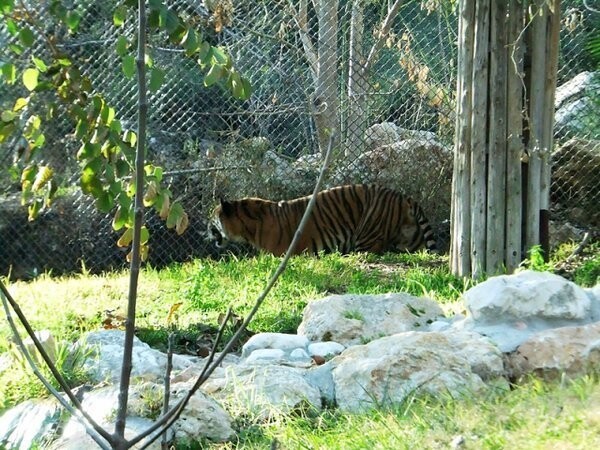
{"x":382,"y":74}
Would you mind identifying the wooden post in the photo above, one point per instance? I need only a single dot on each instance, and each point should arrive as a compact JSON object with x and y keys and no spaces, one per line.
{"x":461,"y":218}
{"x":552,"y":48}
{"x":536,"y":124}
{"x":496,"y":182}
{"x":479,"y":127}
{"x":514,"y":124}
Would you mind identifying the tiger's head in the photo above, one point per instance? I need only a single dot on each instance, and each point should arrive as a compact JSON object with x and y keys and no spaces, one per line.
{"x":229,"y":222}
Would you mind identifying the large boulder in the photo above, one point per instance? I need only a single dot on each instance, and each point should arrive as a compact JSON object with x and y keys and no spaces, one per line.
{"x":264,"y":390}
{"x":106,"y":352}
{"x":203,"y":418}
{"x":575,"y":181}
{"x":390,"y":369}
{"x":576,"y":104}
{"x":355,"y":319}
{"x":551,"y":353}
{"x":510,"y":308}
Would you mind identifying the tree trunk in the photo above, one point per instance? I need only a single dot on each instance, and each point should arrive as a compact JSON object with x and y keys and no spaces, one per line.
{"x":325,"y":101}
{"x":356,"y":119}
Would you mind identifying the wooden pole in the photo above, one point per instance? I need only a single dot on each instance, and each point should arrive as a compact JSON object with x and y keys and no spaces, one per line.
{"x":536,"y":124}
{"x":460,"y":261}
{"x":496,"y":182}
{"x":515,"y":148}
{"x":479,"y":127}
{"x":552,"y":49}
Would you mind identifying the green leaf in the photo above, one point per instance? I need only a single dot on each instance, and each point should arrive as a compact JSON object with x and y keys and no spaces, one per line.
{"x":35,"y":208}
{"x":91,"y":184}
{"x":205,"y":53}
{"x":105,"y":201}
{"x":6,"y":129}
{"x":9,"y":71}
{"x":190,"y":42}
{"x":121,"y":46}
{"x":6,"y":6}
{"x":220,"y":56}
{"x":16,"y":49}
{"x":122,"y":168}
{"x":26,"y":37}
{"x":12,"y":27}
{"x":43,"y":175}
{"x":168,"y":20}
{"x":107,"y":115}
{"x":175,"y":214}
{"x":214,"y":75}
{"x":125,"y":238}
{"x":88,"y":151}
{"x":40,"y":64}
{"x":8,"y":115}
{"x":120,"y":15}
{"x":30,"y":78}
{"x":29,"y":173}
{"x":81,"y":129}
{"x":144,"y":236}
{"x":20,"y":103}
{"x":72,"y":20}
{"x":123,"y":214}
{"x":155,"y":4}
{"x":129,"y":66}
{"x":157,"y":76}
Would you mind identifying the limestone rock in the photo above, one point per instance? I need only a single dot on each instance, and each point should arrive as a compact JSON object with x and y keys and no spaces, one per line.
{"x":550,"y":353}
{"x":29,"y":424}
{"x":105,"y":363}
{"x":510,"y":308}
{"x":264,"y":390}
{"x":389,"y":369}
{"x":279,"y":341}
{"x":325,"y":349}
{"x":354,"y":319}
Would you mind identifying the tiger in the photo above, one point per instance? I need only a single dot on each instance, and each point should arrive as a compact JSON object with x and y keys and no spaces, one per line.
{"x":350,"y":218}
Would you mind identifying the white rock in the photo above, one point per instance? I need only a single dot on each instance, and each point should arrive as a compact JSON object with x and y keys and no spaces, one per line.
{"x":29,"y":423}
{"x":439,"y":325}
{"x":280,"y":341}
{"x":389,"y":369}
{"x":325,"y":349}
{"x":353,"y":319}
{"x":552,"y":353}
{"x":105,"y":362}
{"x":510,"y":308}
{"x":202,"y":418}
{"x":265,"y":391}
{"x":299,"y":353}
{"x":266,"y":354}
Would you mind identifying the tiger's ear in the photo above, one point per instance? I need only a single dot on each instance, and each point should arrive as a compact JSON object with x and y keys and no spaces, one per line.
{"x":227,"y":207}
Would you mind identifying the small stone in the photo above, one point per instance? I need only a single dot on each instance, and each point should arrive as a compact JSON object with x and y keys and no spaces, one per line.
{"x":325,"y":349}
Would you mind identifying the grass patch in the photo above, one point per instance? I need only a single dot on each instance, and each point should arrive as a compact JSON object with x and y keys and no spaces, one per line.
{"x":535,"y":415}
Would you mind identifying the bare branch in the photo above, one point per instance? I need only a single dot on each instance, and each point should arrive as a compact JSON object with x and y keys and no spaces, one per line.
{"x":119,"y":434}
{"x":167,"y":387}
{"x":383,"y":34}
{"x":301,"y":18}
{"x":168,"y":419}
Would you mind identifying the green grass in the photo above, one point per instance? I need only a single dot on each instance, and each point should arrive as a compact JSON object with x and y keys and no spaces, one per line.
{"x":534,"y":415}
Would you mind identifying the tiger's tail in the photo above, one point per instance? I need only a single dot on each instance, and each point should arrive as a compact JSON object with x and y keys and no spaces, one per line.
{"x":426,"y":231}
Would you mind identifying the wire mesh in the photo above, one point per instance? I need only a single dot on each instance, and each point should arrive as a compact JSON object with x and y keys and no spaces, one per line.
{"x":387,"y":91}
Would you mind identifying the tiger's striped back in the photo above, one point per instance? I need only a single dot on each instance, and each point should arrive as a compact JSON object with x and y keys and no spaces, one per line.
{"x":345,"y":218}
